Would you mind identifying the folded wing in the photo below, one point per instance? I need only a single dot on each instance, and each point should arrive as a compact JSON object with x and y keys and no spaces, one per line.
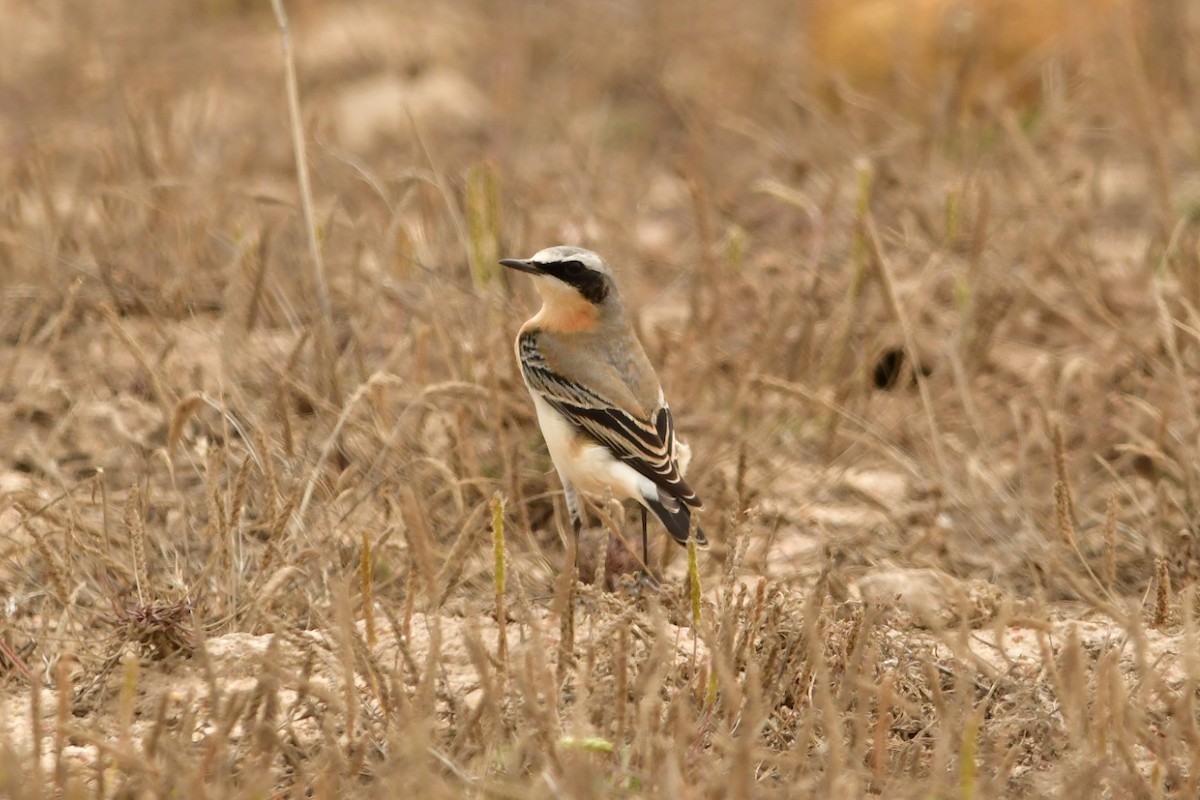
{"x":645,"y":444}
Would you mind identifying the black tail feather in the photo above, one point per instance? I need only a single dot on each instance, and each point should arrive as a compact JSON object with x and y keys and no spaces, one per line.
{"x":677,"y":521}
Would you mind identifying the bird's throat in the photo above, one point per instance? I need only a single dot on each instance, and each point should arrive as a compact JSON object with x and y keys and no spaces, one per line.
{"x":566,"y":315}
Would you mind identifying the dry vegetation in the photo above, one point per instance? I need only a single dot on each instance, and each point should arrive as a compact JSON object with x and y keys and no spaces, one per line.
{"x":247,"y":553}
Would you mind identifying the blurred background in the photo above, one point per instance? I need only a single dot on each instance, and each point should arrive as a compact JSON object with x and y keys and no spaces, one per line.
{"x":921,"y":279}
{"x":1028,"y":167}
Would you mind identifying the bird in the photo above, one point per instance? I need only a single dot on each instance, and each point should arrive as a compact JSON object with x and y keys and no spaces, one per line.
{"x":598,"y":401}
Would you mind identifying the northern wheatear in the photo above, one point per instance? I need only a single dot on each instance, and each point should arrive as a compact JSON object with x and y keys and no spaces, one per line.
{"x":598,"y":401}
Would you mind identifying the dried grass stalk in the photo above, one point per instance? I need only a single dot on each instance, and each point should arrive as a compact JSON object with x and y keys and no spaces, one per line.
{"x":498,"y":558}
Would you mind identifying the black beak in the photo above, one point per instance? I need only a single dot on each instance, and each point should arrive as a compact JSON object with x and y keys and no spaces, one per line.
{"x":522,"y":265}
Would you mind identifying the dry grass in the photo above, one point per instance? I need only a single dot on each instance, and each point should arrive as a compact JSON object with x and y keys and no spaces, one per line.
{"x":938,"y":362}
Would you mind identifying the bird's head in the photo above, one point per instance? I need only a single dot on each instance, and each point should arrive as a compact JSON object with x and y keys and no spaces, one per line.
{"x":568,"y":276}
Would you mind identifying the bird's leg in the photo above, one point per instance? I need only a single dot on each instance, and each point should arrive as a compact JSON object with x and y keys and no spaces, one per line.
{"x":646,"y":580}
{"x":576,"y":515}
{"x":576,"y":528}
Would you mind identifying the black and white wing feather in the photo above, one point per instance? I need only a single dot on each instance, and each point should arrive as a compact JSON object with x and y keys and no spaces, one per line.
{"x":646,"y":444}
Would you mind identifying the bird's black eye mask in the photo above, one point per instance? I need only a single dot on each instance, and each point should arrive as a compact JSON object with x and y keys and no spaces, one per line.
{"x":590,"y":283}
